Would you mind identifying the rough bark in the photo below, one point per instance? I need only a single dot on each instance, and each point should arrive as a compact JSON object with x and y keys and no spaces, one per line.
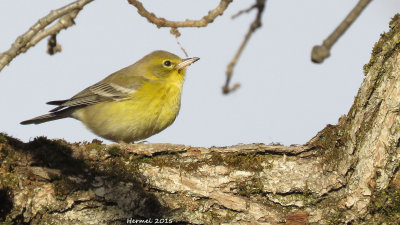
{"x":347,"y":173}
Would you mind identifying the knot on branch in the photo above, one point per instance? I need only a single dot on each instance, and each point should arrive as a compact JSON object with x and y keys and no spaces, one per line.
{"x":319,"y":53}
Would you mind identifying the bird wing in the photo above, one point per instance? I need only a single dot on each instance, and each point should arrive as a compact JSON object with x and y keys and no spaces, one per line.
{"x":99,"y":92}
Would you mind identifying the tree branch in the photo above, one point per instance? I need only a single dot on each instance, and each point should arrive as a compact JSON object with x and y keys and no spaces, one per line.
{"x":348,"y":173}
{"x":338,"y":177}
{"x":37,"y":32}
{"x":234,"y":16}
{"x":260,"y":5}
{"x":161,"y":22}
{"x":321,"y":52}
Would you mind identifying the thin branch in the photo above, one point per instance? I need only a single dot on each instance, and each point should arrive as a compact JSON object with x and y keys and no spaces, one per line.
{"x":321,"y":52}
{"x":52,"y":46}
{"x":226,"y":89}
{"x":174,"y":31}
{"x":63,"y":23}
{"x":37,"y":32}
{"x":234,"y":16}
{"x":161,"y":22}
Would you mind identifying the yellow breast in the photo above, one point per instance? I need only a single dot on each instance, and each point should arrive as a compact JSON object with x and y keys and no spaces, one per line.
{"x":148,"y":111}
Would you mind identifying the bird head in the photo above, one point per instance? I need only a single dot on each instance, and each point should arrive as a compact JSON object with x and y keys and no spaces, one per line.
{"x":165,"y":65}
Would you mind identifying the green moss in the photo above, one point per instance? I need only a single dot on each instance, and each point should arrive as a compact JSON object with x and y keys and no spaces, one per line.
{"x":330,"y":143}
{"x":144,"y":159}
{"x":8,"y":180}
{"x":64,"y":186}
{"x":56,"y":154}
{"x":250,"y":187}
{"x":7,"y":164}
{"x":3,"y":138}
{"x":230,"y":215}
{"x":119,"y":169}
{"x":161,"y":161}
{"x":385,"y":206}
{"x":114,"y":151}
{"x":335,"y":218}
{"x":247,"y":162}
{"x":395,"y":21}
{"x":6,"y":140}
{"x":215,"y":217}
{"x":367,"y":124}
{"x":190,"y":166}
{"x":95,"y":144}
{"x":170,"y":160}
{"x":42,"y":142}
{"x":216,"y":158}
{"x":302,"y":196}
{"x":380,"y":48}
{"x":375,"y":51}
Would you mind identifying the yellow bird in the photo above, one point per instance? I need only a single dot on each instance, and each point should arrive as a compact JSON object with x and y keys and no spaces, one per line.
{"x":131,"y":104}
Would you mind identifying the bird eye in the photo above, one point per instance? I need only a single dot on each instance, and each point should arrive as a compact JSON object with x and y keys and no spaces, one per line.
{"x":167,"y":63}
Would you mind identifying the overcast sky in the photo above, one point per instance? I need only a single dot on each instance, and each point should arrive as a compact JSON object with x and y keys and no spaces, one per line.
{"x":283,"y":98}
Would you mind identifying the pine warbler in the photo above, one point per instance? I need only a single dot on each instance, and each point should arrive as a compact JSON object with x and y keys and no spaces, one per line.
{"x":131,"y":104}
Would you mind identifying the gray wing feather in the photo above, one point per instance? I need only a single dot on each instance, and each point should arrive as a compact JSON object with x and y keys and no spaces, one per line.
{"x":100,"y":92}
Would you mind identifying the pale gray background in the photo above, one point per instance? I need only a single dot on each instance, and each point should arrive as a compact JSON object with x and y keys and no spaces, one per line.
{"x":284,"y":96}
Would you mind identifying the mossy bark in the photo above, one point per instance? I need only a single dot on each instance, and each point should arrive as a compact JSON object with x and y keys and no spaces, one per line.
{"x":348,"y":172}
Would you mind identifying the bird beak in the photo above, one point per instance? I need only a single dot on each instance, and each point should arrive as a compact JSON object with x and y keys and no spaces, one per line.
{"x":185,"y":62}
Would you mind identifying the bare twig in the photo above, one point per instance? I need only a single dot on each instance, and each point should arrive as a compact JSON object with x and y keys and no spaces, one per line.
{"x":321,"y":52}
{"x":260,"y":5}
{"x":174,"y":31}
{"x":182,"y":48}
{"x":63,"y":23}
{"x":37,"y":32}
{"x":52,"y":46}
{"x":234,"y":16}
{"x":161,"y":22}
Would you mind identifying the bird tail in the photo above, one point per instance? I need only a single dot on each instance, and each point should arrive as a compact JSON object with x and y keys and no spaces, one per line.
{"x":48,"y":117}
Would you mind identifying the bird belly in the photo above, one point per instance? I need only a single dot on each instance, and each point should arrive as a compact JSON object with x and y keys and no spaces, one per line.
{"x":134,"y":119}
